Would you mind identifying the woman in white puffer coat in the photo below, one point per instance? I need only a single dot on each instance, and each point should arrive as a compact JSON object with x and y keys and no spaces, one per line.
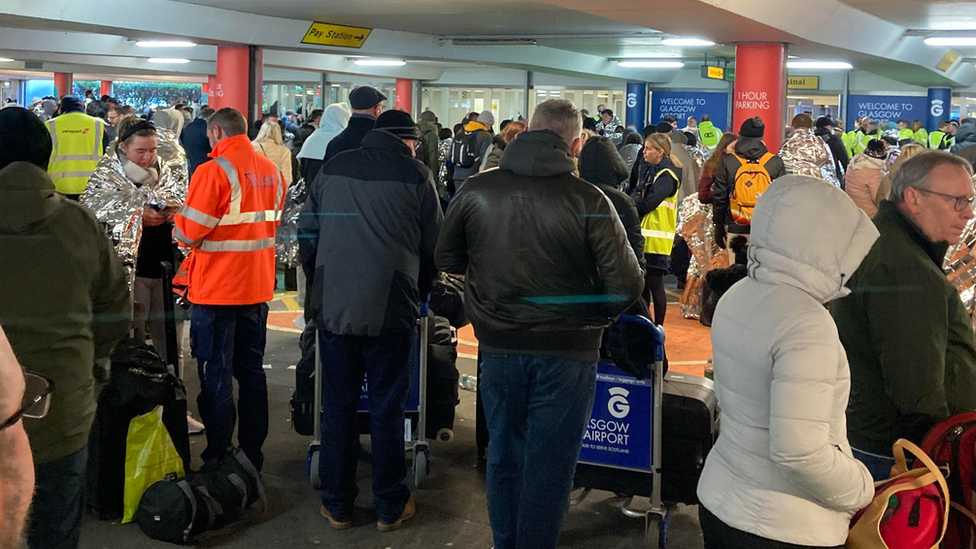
{"x":782,"y":470}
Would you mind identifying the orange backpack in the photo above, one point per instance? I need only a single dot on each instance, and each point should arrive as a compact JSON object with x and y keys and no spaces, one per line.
{"x":751,"y":181}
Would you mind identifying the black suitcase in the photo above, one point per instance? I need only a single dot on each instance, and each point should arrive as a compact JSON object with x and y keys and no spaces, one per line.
{"x":689,"y":430}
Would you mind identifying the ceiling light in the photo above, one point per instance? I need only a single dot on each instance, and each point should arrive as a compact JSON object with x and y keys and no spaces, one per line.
{"x":820,"y":65}
{"x":494,"y":42}
{"x":380,"y":62}
{"x":639,"y":64}
{"x":164,"y":44}
{"x":950,"y":41}
{"x":5,"y":59}
{"x":336,"y":85}
{"x":168,"y":60}
{"x":689,"y":42}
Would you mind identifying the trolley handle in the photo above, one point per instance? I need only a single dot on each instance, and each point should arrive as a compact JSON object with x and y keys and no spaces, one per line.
{"x":655,"y":332}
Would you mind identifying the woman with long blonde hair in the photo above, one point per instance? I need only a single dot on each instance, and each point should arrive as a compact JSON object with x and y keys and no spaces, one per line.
{"x":270,"y":143}
{"x":656,"y":198}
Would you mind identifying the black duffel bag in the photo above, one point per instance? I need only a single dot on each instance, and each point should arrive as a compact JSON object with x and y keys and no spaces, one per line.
{"x":178,"y":510}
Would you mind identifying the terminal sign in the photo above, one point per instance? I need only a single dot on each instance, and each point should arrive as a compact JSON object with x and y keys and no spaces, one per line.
{"x":327,"y":34}
{"x":713,"y":73}
{"x":804,"y":82}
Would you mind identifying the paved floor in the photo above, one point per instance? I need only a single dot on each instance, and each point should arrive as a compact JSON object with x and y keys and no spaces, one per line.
{"x":451,"y":511}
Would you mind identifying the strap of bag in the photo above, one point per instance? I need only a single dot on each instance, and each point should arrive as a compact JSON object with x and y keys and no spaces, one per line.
{"x":237,"y":481}
{"x":901,"y":466}
{"x":249,"y":467}
{"x":211,"y":502}
{"x":185,"y":487}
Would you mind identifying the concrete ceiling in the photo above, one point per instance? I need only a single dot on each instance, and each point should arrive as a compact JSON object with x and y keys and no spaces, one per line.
{"x":921,"y":14}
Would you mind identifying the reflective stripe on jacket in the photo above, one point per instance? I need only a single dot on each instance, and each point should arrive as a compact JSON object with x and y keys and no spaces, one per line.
{"x":658,"y":227}
{"x":230,"y":217}
{"x":77,"y":148}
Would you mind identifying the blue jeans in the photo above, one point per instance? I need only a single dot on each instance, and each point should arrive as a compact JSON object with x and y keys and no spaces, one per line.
{"x":55,"y":516}
{"x":537,"y":410}
{"x":385,"y":361}
{"x":228,"y":343}
{"x":879,"y":466}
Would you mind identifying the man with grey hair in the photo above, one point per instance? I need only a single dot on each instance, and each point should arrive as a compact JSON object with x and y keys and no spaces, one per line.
{"x":908,"y":335}
{"x":548,"y":265}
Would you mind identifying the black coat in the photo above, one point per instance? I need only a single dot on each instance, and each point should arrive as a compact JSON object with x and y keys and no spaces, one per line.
{"x":351,"y":137}
{"x":547,"y":260}
{"x":195,"y":143}
{"x":750,"y":148}
{"x":837,"y":148}
{"x":368,"y":231}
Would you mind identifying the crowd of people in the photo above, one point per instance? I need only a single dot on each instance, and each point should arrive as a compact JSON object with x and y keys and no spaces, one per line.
{"x":93,"y":199}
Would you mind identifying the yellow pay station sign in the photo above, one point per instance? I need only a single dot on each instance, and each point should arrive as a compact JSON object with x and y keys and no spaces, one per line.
{"x":327,"y":34}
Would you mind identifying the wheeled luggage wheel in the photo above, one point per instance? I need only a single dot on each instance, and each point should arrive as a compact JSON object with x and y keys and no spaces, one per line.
{"x":445,"y":435}
{"x":313,"y":470}
{"x":421,"y":467}
{"x":656,"y":530}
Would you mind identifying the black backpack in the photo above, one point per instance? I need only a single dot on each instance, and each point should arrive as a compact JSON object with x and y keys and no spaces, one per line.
{"x":178,"y":510}
{"x":463,"y":153}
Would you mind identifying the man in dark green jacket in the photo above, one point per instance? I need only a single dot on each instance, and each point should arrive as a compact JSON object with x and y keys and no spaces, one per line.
{"x":907,"y":333}
{"x":64,"y":303}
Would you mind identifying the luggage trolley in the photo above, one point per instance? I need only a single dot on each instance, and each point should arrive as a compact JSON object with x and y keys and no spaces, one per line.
{"x":621,"y":450}
{"x":416,"y":413}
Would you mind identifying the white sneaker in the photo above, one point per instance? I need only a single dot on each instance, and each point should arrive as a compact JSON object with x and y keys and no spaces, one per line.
{"x":194,"y":427}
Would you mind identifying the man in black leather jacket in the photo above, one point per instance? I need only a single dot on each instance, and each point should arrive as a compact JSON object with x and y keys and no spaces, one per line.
{"x":548,"y":264}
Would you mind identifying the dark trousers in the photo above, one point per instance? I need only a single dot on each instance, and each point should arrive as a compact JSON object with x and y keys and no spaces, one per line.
{"x":536,"y":409}
{"x":655,"y":294}
{"x":228,"y":343}
{"x":385,"y":361}
{"x":55,"y":516}
{"x":719,"y":535}
{"x":879,"y":466}
{"x":680,"y":259}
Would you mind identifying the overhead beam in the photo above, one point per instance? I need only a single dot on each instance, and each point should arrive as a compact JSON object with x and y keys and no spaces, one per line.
{"x":166,"y":18}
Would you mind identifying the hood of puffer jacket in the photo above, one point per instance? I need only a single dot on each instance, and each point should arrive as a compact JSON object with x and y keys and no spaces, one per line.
{"x":27,"y":196}
{"x":864,"y":161}
{"x":809,"y":235}
{"x":538,"y":154}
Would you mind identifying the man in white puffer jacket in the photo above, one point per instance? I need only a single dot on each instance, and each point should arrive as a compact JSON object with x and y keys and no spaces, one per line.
{"x":782,"y":470}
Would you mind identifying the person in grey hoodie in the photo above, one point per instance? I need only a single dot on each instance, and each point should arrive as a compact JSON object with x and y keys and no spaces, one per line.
{"x":470,"y":147}
{"x":965,"y":138}
{"x":567,"y":268}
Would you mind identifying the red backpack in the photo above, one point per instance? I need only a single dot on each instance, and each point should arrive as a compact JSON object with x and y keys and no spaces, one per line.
{"x":952,"y":446}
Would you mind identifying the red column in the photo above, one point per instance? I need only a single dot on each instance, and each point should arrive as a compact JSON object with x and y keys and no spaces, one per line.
{"x":106,"y":87}
{"x":210,"y":89}
{"x":231,"y":83}
{"x":62,"y":84}
{"x":404,"y":94}
{"x":760,"y":89}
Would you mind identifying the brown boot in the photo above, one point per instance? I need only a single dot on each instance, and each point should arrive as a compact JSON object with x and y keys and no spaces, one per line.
{"x":343,"y":525}
{"x":408,"y":511}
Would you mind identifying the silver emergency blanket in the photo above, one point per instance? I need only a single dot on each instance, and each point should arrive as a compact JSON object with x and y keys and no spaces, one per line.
{"x":699,"y":154}
{"x":286,"y":239}
{"x":960,"y":266}
{"x":806,"y":154}
{"x":118,"y":203}
{"x":696,"y":227}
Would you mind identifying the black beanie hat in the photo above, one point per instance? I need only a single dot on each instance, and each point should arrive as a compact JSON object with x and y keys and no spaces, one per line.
{"x":398,"y":123}
{"x":23,"y":138}
{"x":876,"y":148}
{"x":753,"y":127}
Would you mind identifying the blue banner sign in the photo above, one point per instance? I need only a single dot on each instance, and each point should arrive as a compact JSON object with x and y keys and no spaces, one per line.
{"x":636,"y":105}
{"x":685,"y":104}
{"x":891,"y":108}
{"x":619,"y":430}
{"x":939,"y":108}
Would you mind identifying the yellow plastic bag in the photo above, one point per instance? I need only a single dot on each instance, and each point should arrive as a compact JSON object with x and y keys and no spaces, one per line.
{"x":150,"y":455}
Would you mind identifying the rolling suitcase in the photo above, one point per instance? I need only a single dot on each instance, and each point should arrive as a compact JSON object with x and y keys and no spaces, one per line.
{"x":690,"y":423}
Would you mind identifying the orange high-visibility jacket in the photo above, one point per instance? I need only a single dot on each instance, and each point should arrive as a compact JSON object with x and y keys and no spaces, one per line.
{"x":229,"y":218}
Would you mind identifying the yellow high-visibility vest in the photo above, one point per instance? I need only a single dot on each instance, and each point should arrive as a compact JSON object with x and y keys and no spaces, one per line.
{"x":658,"y":226}
{"x":77,"y":140}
